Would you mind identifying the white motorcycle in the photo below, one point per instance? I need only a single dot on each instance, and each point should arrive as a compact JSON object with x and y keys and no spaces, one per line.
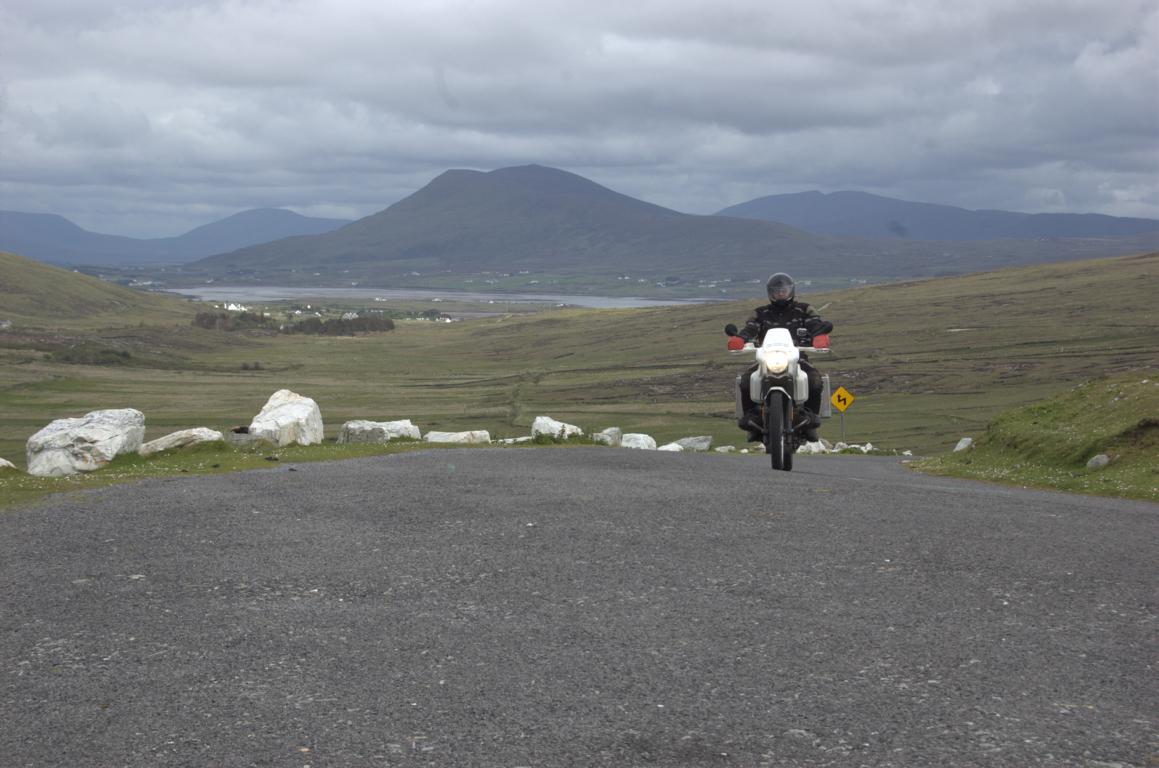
{"x":780,"y":387}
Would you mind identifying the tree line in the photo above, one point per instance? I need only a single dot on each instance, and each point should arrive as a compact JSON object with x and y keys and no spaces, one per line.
{"x":340,"y":327}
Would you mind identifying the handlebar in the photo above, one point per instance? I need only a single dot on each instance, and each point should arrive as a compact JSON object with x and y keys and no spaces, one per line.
{"x":750,"y":347}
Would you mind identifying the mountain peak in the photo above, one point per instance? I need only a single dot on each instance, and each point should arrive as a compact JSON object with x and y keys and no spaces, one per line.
{"x":545,"y":179}
{"x":516,"y":187}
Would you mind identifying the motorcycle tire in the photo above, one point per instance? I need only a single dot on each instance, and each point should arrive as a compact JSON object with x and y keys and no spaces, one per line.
{"x":778,"y":443}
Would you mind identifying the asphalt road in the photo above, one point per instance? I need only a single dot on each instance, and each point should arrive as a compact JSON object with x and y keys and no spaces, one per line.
{"x":578,"y":607}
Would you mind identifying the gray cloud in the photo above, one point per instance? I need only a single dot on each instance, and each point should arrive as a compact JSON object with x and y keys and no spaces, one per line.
{"x":149,"y":117}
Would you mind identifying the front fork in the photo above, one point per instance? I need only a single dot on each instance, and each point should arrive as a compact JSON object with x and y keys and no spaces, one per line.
{"x":772,"y":399}
{"x":767,"y":389}
{"x":740,"y":414}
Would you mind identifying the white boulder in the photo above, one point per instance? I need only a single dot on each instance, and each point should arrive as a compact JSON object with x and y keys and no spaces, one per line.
{"x":286,"y":418}
{"x":1099,"y":461}
{"x":360,"y":431}
{"x":545,"y":425}
{"x":515,"y":440}
{"x":610,"y":436}
{"x":963,"y":444}
{"x":181,"y":439}
{"x":725,"y":449}
{"x":853,"y":447}
{"x":68,"y":446}
{"x":672,"y":448}
{"x":6,"y":465}
{"x":812,"y":448}
{"x":635,"y":440}
{"x":473,"y":437}
{"x":700,"y":443}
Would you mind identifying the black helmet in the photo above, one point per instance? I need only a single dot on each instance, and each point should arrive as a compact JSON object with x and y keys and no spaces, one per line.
{"x":782,"y":289}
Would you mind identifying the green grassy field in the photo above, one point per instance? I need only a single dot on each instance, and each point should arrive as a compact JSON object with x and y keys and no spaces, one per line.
{"x":1048,"y":444}
{"x":928,"y":362}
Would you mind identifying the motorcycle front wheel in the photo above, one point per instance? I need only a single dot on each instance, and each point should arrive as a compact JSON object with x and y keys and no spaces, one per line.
{"x":778,"y":444}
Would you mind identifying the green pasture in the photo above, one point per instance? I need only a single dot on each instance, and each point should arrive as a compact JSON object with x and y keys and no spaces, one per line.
{"x":928,"y":361}
{"x":1048,"y":444}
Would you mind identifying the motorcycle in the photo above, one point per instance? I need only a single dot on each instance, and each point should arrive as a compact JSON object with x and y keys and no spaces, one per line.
{"x":781,"y":388}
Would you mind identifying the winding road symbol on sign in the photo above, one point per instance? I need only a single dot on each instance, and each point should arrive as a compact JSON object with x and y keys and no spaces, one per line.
{"x":842,"y":399}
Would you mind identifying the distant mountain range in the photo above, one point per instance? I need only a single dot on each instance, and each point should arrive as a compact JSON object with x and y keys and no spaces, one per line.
{"x":521,"y":218}
{"x":548,"y":221}
{"x":52,"y":238}
{"x":859,"y":214}
{"x":537,"y":219}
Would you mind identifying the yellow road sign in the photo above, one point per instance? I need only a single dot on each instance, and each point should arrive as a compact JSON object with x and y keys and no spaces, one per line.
{"x":842,"y":399}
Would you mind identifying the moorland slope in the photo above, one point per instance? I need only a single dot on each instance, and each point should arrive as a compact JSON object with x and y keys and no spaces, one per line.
{"x":41,"y":295}
{"x":928,"y":361}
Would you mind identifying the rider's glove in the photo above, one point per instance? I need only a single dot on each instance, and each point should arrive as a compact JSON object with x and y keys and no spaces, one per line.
{"x":818,"y":327}
{"x":735,"y":342}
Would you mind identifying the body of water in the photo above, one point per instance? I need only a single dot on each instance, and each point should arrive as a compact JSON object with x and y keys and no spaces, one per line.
{"x":257,"y":294}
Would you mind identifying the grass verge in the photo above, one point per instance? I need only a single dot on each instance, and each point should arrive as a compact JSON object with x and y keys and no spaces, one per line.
{"x":1048,"y":444}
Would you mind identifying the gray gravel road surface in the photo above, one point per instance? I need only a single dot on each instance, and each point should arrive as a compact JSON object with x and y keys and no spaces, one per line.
{"x":578,"y":607}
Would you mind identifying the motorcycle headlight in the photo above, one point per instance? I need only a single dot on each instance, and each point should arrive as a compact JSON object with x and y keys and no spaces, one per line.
{"x":775,"y":360}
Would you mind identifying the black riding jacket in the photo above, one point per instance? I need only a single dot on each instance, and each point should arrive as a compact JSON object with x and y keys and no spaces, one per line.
{"x":802,"y":321}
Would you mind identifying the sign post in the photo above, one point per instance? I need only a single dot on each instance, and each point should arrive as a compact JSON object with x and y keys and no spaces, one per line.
{"x":841,"y":400}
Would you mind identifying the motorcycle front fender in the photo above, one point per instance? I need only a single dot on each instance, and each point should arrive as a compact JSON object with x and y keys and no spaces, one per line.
{"x":777,"y":390}
{"x":758,"y":389}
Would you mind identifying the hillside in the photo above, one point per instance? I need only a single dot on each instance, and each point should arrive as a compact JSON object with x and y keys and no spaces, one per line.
{"x":1049,"y":443}
{"x":551,"y":222}
{"x":51,"y":238}
{"x":859,"y":214}
{"x":55,"y":239}
{"x":260,"y":225}
{"x":38,"y":294}
{"x":928,"y":361}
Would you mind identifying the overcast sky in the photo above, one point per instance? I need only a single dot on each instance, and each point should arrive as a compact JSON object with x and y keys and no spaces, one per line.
{"x":149,"y":117}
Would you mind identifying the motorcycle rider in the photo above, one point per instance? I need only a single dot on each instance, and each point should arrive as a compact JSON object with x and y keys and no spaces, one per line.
{"x":803,"y":322}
